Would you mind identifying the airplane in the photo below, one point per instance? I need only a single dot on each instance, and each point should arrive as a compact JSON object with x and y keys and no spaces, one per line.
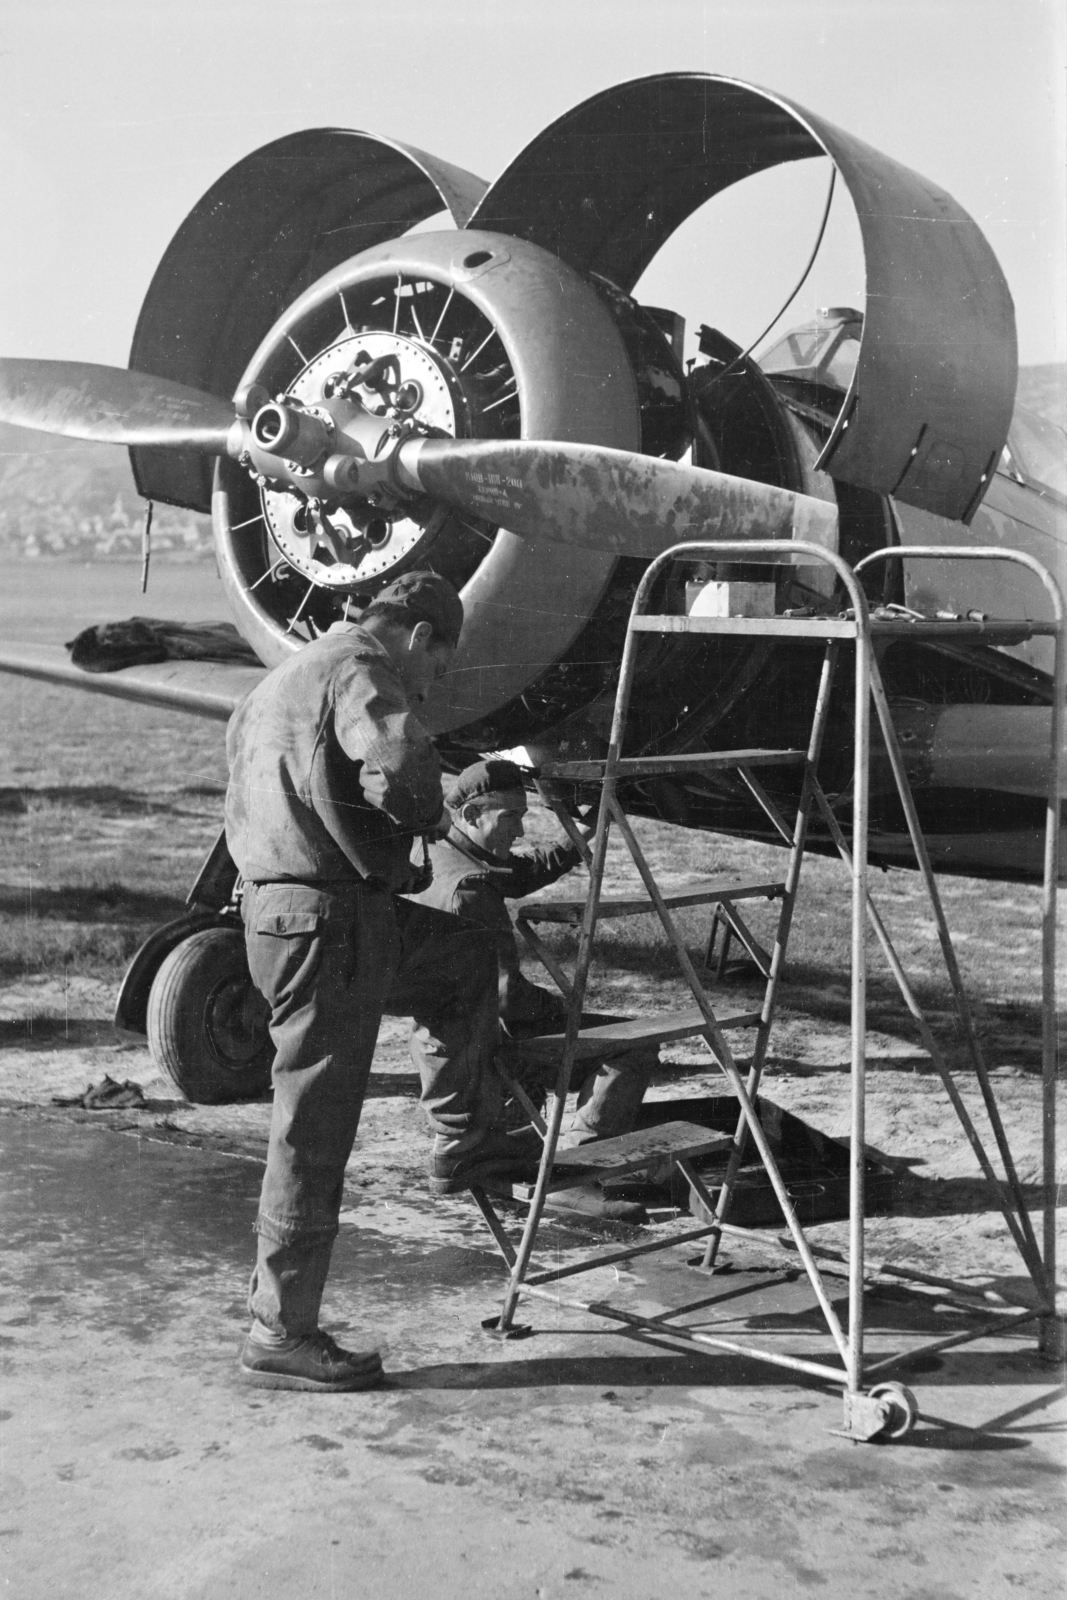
{"x":351,"y":398}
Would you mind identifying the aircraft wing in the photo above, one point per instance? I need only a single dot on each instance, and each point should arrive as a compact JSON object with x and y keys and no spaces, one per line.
{"x":205,"y":688}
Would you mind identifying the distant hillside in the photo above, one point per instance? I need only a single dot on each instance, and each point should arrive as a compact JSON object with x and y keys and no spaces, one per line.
{"x":59,"y":497}
{"x":1044,"y":390}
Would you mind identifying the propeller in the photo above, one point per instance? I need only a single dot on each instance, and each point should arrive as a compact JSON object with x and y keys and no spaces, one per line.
{"x":111,"y":405}
{"x":615,"y":501}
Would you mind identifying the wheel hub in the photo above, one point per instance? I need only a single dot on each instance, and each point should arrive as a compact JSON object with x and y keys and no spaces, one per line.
{"x":235,"y":1020}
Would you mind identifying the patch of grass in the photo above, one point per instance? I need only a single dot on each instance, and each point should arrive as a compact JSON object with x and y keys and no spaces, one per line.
{"x":49,"y":948}
{"x":105,"y":818}
{"x":111,"y":903}
{"x":92,"y":930}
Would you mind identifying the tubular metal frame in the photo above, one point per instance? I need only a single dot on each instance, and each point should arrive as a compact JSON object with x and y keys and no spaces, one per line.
{"x":1050,"y":882}
{"x":868,"y":686}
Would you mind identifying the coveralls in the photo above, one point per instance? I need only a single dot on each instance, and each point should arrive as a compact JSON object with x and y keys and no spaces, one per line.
{"x":331,"y":777}
{"x":471,"y":884}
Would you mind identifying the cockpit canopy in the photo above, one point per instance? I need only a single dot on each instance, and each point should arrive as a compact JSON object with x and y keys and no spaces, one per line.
{"x":822,"y":354}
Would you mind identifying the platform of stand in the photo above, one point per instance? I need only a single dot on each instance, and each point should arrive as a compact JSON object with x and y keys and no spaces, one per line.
{"x":972,"y":630}
{"x":612,"y":1038}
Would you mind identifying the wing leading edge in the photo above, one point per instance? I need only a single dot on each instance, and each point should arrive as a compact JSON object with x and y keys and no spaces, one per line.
{"x":210,"y":689}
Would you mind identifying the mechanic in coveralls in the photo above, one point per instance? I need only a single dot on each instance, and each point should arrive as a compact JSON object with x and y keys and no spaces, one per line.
{"x":331,"y":778}
{"x":474,"y":871}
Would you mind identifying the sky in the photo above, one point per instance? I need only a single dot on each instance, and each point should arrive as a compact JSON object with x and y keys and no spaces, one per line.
{"x":117,"y":115}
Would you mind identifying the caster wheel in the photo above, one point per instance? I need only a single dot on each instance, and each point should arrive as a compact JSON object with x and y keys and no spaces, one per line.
{"x":903,"y":1409}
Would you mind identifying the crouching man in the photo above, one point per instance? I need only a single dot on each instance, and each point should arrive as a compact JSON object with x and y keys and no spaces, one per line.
{"x":331,"y":778}
{"x":475,"y":870}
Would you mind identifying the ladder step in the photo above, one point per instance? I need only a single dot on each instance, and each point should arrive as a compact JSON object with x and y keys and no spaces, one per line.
{"x":615,"y":1037}
{"x":653,"y":766}
{"x":708,"y":891}
{"x":635,"y":1152}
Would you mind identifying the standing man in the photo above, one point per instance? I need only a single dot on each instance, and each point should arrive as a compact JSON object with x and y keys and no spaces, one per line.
{"x":474,"y":871}
{"x":331,"y":778}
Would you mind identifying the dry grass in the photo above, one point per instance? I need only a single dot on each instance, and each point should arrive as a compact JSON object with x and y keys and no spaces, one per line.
{"x":106,"y":808}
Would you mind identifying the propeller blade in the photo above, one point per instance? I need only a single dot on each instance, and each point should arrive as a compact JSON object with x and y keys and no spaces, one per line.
{"x":610,"y":500}
{"x":112,"y":405}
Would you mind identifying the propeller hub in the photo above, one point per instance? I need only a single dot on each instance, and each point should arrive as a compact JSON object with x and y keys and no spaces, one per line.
{"x":331,"y":438}
{"x":291,"y":433}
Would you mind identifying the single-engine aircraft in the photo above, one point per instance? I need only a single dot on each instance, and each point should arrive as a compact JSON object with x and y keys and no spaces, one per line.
{"x":351,"y":398}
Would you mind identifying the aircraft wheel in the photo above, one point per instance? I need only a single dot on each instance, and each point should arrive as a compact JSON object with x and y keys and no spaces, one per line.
{"x":207,"y":1022}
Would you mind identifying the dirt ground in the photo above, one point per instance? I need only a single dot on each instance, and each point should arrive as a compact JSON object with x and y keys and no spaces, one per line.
{"x":575,"y":1462}
{"x":105,"y":811}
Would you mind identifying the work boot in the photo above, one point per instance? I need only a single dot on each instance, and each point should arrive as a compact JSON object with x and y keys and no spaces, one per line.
{"x":457,"y":1163}
{"x":589,"y":1200}
{"x":308,"y":1361}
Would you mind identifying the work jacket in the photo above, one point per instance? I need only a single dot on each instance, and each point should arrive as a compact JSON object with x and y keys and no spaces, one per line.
{"x":468,"y":882}
{"x":331,"y":773}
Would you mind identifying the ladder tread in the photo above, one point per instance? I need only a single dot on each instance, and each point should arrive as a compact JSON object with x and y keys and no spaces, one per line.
{"x":707,"y":891}
{"x":648,"y":1147}
{"x":614,"y":1037}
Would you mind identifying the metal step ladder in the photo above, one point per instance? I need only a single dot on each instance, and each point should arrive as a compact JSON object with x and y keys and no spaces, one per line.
{"x":577,"y":1043}
{"x":885,"y":1408}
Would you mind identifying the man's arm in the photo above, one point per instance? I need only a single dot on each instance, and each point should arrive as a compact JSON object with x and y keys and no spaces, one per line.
{"x":400,"y":771}
{"x":529,"y":871}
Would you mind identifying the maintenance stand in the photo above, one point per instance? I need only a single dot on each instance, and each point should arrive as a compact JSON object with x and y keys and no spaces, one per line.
{"x":886,"y":1409}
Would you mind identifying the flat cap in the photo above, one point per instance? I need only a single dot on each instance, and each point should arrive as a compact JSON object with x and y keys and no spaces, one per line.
{"x":484,"y":777}
{"x":429,"y":597}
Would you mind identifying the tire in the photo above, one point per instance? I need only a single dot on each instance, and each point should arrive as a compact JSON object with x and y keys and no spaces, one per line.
{"x":131,"y":1006}
{"x":207,"y":1023}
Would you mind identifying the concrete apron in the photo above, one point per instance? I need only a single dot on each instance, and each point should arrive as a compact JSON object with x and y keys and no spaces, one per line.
{"x":578,"y":1461}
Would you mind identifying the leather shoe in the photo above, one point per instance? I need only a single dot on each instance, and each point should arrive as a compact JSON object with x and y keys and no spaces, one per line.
{"x":454,"y":1165}
{"x":309,"y":1361}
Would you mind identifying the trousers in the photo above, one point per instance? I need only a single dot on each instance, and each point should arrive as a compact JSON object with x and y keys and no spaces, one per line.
{"x":610,"y":1088}
{"x":330,"y":962}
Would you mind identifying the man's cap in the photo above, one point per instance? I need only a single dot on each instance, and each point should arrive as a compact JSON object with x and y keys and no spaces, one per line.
{"x":429,"y":597}
{"x":484,"y":777}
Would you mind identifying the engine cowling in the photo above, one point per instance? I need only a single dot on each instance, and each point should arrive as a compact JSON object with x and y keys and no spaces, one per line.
{"x":519,"y":322}
{"x":485,"y":337}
